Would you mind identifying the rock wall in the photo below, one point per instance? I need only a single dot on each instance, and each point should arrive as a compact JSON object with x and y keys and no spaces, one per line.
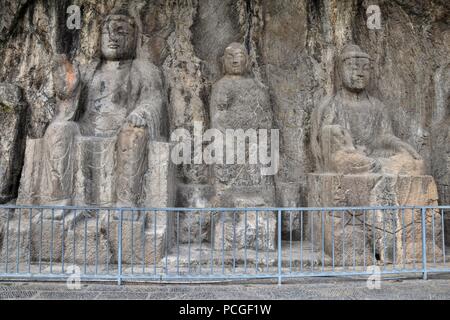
{"x":292,"y":45}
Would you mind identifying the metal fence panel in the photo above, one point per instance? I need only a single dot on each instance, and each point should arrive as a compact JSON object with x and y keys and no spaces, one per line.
{"x":182,"y":244}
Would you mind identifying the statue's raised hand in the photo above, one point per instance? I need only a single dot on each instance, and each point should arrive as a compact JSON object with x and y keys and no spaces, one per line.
{"x":66,"y":76}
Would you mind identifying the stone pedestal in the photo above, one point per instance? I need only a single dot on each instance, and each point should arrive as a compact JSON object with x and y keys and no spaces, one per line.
{"x":46,"y":240}
{"x":94,"y":184}
{"x":288,"y":195}
{"x":87,"y":243}
{"x":42,"y":242}
{"x":91,"y":243}
{"x":246,"y":229}
{"x":142,"y":243}
{"x":194,"y":226}
{"x":392,"y":236}
{"x":14,"y":241}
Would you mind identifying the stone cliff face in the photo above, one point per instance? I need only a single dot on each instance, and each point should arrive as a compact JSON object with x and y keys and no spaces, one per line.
{"x":292,"y":46}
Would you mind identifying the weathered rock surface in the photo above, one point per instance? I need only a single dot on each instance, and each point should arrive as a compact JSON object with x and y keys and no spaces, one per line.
{"x":15,"y":240}
{"x":235,"y":230}
{"x":288,"y":195}
{"x":440,"y":150}
{"x":86,"y":243}
{"x":142,"y":243}
{"x":194,"y":226}
{"x":292,"y":47}
{"x":13,"y":110}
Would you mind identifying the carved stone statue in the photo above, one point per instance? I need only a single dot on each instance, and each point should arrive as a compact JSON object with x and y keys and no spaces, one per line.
{"x":12,"y":121}
{"x":107,"y":113}
{"x":360,"y":162}
{"x":352,"y":132}
{"x":238,"y":101}
{"x":105,"y":146}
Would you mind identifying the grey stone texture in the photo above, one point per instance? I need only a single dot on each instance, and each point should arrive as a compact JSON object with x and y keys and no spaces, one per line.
{"x":13,"y":111}
{"x":193,"y":226}
{"x":439,"y":144}
{"x":175,"y":76}
{"x":89,"y":242}
{"x":390,"y":235}
{"x":249,"y":229}
{"x":288,"y":195}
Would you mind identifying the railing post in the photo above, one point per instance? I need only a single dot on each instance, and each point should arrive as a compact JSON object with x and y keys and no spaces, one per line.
{"x":279,"y":247}
{"x":424,"y":245}
{"x":119,"y":254}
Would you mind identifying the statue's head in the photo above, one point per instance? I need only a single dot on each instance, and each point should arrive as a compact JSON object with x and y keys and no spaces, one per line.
{"x":355,"y":67}
{"x":235,"y":59}
{"x":119,"y":36}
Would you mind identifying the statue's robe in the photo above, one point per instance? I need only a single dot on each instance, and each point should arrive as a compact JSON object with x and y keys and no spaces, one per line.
{"x":242,"y":103}
{"x":142,"y":93}
{"x":369,"y":127}
{"x":239,"y":103}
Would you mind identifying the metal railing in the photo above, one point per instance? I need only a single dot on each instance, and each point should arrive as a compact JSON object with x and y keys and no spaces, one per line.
{"x":216,"y":244}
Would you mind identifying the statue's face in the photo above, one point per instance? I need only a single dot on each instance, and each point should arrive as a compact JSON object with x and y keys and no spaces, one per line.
{"x":235,"y":61}
{"x":355,"y":74}
{"x":118,"y":39}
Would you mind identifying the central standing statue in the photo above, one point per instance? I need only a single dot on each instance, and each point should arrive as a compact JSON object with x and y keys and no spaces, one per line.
{"x":95,"y":150}
{"x":239,"y":102}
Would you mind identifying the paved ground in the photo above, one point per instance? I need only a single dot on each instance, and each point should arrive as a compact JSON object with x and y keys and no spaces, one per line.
{"x":437,"y":287}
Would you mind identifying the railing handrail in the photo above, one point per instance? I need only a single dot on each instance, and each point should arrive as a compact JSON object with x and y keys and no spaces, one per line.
{"x":271,"y":254}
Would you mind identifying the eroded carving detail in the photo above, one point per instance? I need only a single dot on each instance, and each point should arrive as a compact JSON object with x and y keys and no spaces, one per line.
{"x":352,"y":132}
{"x":239,"y":102}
